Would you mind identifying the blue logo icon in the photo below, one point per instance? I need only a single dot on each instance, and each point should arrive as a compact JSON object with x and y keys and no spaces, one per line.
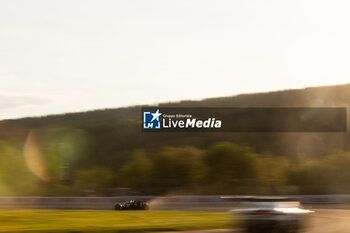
{"x":151,"y":120}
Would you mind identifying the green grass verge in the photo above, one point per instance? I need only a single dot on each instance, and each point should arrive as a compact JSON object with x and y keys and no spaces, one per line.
{"x":64,"y":221}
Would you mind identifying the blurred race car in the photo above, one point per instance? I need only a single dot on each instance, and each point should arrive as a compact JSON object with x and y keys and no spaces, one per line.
{"x":271,"y":214}
{"x":132,"y":205}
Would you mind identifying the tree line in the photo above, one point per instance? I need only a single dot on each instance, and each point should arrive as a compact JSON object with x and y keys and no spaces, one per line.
{"x":221,"y":168}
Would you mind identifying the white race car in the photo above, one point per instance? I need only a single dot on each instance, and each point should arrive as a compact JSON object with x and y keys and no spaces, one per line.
{"x":271,"y":214}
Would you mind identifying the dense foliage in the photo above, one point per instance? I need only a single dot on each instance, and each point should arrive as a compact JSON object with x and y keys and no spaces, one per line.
{"x":105,"y":152}
{"x":223,"y":168}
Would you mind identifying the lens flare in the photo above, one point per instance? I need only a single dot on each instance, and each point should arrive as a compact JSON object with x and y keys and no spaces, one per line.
{"x":34,"y":158}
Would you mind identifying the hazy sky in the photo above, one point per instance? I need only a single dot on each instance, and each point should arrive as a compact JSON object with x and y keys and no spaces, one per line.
{"x":63,"y":56}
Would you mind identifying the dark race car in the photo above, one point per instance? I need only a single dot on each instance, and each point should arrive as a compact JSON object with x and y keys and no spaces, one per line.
{"x":132,"y":205}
